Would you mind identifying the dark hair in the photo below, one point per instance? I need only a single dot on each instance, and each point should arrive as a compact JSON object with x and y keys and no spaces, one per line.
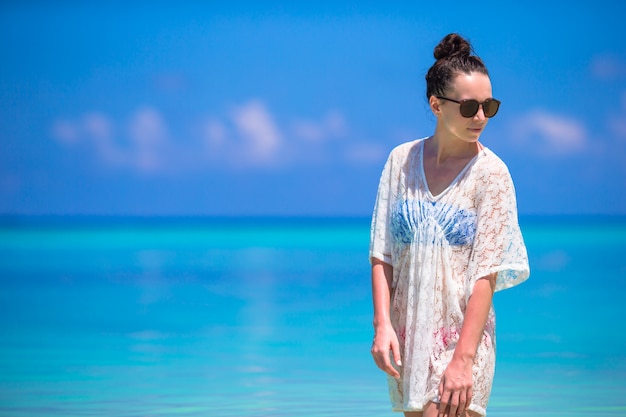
{"x":454,"y":57}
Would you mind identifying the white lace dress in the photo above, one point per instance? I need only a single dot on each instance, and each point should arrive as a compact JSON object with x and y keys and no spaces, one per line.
{"x":439,"y":246}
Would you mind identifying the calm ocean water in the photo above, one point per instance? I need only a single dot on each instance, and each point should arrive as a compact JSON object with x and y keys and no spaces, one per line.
{"x":272,"y":317}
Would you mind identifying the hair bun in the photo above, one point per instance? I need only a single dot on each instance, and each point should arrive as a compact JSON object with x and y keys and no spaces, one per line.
{"x":454,"y":57}
{"x":452,"y":45}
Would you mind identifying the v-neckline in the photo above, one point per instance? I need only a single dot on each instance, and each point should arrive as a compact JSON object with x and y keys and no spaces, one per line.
{"x":453,"y":182}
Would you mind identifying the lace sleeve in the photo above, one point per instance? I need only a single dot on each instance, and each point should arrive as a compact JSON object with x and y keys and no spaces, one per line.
{"x":498,"y":246}
{"x":380,"y":234}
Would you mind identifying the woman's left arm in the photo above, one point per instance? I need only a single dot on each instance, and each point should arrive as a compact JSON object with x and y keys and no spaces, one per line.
{"x":455,"y":389}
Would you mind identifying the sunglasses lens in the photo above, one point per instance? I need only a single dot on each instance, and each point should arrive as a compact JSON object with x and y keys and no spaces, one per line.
{"x":490,"y":107}
{"x":469,"y":108}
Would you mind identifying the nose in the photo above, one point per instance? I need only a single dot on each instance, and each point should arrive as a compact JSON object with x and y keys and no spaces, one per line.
{"x":480,"y":114}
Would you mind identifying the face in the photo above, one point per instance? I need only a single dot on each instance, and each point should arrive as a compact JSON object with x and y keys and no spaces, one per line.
{"x":449,"y":120}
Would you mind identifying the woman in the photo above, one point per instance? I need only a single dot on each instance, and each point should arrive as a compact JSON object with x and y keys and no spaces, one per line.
{"x":444,"y":238}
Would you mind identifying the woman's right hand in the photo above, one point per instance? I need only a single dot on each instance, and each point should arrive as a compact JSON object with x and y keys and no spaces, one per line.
{"x":386,"y":340}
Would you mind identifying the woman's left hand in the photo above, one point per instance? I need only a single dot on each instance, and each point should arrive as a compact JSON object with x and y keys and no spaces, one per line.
{"x":455,"y":389}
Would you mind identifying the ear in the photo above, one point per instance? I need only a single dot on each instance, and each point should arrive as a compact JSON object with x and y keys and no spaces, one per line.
{"x":435,"y":105}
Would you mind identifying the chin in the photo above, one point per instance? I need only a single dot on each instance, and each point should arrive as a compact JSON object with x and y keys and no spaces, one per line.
{"x":472,"y":139}
{"x":474,"y":136}
{"x":468,"y":137}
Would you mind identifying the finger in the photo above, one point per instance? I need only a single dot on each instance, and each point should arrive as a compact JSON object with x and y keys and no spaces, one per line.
{"x":468,"y":398}
{"x":395,"y":349}
{"x":454,"y":404}
{"x":393,"y":372}
{"x":443,"y":410}
{"x":444,"y":402}
{"x":377,"y":357}
{"x":389,"y":368}
{"x":383,"y":362}
{"x":462,"y":403}
{"x":440,"y":410}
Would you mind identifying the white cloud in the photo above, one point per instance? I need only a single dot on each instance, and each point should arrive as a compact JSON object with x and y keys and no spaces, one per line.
{"x":143,"y":149}
{"x":608,"y":67}
{"x":308,"y":130}
{"x":93,"y":128}
{"x":547,"y":133}
{"x":98,"y":125}
{"x":98,"y":129}
{"x":66,"y":132}
{"x":367,"y":153}
{"x":214,"y":133}
{"x":148,"y":135}
{"x":246,"y":137}
{"x":256,"y":126}
{"x":333,"y":125}
{"x":147,"y":128}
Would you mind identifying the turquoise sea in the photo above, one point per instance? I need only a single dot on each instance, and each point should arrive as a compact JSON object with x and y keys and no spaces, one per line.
{"x":272,"y":317}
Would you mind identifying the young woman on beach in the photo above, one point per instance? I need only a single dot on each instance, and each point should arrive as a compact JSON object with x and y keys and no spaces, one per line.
{"x":444,"y":238}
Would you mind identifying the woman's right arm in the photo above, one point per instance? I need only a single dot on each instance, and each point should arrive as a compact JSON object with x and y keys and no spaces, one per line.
{"x":385,"y":338}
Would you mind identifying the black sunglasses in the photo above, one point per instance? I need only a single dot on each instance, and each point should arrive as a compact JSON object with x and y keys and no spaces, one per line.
{"x":469,"y":108}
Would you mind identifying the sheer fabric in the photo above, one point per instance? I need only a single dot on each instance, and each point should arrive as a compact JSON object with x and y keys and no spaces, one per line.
{"x":439,"y":246}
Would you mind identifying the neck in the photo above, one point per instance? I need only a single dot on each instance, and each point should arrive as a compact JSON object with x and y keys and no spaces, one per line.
{"x":444,"y":148}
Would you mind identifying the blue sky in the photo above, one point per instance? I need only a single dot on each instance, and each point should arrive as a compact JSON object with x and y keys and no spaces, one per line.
{"x":269,"y":108}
